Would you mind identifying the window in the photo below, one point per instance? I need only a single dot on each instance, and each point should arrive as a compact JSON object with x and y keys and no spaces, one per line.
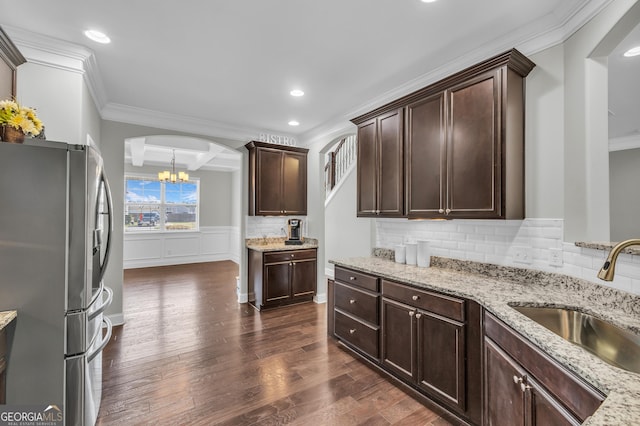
{"x":151,"y":205}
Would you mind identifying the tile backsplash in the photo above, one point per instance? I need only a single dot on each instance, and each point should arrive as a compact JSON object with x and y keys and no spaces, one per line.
{"x":530,"y":243}
{"x":270,"y":226}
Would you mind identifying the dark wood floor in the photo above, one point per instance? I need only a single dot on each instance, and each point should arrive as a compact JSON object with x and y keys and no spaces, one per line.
{"x":189,"y":354}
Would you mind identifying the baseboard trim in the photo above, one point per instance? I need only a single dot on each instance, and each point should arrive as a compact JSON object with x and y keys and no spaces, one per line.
{"x":320,"y":298}
{"x":168,"y":261}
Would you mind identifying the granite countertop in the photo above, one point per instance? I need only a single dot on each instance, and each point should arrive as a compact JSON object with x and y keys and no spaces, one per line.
{"x":606,"y":246}
{"x":496,"y":288}
{"x":277,"y":244}
{"x":6,"y":317}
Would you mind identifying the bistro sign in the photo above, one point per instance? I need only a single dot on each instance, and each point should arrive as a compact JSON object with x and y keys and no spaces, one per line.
{"x":277,"y":139}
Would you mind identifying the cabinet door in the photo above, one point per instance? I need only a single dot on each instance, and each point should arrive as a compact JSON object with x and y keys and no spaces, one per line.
{"x":269,"y":182}
{"x":441,"y":358}
{"x":473,"y":154}
{"x":276,"y":282}
{"x":294,"y":183}
{"x":390,"y":163}
{"x":367,"y":169}
{"x":425,"y":158}
{"x":504,"y":399}
{"x":545,"y":410}
{"x":303,"y":277}
{"x":398,"y":339}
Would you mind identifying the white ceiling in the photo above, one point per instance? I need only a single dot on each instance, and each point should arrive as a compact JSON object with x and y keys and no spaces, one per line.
{"x":225,"y":68}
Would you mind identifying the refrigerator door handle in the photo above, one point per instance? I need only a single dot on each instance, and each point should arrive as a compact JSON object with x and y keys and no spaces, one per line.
{"x":105,"y":304}
{"x":104,"y":342}
{"x":107,"y":191}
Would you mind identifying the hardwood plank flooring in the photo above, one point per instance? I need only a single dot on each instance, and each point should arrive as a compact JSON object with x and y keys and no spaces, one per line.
{"x":189,"y":354}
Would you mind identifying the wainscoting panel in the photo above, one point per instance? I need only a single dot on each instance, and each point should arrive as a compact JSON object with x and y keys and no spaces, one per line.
{"x":211,"y":243}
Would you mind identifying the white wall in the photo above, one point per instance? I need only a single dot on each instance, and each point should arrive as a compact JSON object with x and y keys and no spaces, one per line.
{"x":57,"y":96}
{"x":345,"y":235}
{"x":624,"y":175}
{"x":586,"y":165}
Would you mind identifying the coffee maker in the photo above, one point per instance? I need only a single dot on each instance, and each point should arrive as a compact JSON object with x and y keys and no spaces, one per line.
{"x":294,"y":232}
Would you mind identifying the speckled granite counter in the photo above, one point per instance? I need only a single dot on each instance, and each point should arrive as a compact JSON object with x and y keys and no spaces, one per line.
{"x":6,"y":317}
{"x":496,"y":288}
{"x":277,"y":244}
{"x":606,"y":246}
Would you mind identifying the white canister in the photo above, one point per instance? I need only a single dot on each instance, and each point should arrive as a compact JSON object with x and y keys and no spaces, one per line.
{"x":400,"y":253}
{"x":424,"y":254}
{"x":412,"y":253}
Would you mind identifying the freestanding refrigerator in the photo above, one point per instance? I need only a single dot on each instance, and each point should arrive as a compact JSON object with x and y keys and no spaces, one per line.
{"x":55,"y":232}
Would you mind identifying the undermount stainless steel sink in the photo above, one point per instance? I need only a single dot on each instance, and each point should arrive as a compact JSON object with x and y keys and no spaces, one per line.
{"x":608,"y":342}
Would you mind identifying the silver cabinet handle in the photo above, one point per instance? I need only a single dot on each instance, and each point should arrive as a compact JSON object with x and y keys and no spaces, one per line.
{"x":441,"y":211}
{"x":293,"y":255}
{"x":517,"y":379}
{"x":411,"y":313}
{"x":352,"y":301}
{"x":524,"y":387}
{"x":448,"y":211}
{"x":418,"y":316}
{"x":415,"y":297}
{"x":353,"y":330}
{"x":352,"y":278}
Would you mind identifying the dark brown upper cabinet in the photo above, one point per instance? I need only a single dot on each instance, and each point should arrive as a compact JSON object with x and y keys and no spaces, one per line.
{"x":10,"y":59}
{"x":277,"y":180}
{"x":380,"y":166}
{"x":464,"y":142}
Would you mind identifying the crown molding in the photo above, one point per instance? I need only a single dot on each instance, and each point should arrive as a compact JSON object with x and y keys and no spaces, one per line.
{"x":179,"y":123}
{"x":71,"y":57}
{"x":59,"y":54}
{"x":624,"y":143}
{"x":524,"y":40}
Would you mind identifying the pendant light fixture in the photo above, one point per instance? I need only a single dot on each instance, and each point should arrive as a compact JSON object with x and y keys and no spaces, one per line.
{"x":172,"y":176}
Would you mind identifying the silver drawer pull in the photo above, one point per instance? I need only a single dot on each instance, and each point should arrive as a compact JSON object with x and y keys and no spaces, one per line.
{"x":517,"y":379}
{"x":293,"y":255}
{"x":353,"y":330}
{"x":352,"y":301}
{"x":352,"y":278}
{"x":415,"y":297}
{"x":411,"y":313}
{"x":418,"y":316}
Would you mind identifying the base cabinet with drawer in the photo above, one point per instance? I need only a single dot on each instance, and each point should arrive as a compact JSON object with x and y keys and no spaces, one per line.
{"x":356,"y":310}
{"x":525,"y":386}
{"x":429,"y":341}
{"x":281,"y":277}
{"x":424,"y":342}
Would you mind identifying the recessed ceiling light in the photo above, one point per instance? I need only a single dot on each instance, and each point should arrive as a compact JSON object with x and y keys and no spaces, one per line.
{"x":428,"y":1}
{"x":97,"y":36}
{"x":296,"y":92}
{"x":635,"y":51}
{"x":294,"y":123}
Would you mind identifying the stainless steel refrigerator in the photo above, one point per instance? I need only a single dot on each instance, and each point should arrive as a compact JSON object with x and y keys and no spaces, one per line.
{"x":55,"y":233}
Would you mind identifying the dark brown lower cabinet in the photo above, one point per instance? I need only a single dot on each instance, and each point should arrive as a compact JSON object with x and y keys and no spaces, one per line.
{"x":524,"y":386}
{"x":281,"y":277}
{"x":426,"y":350}
{"x":3,"y":366}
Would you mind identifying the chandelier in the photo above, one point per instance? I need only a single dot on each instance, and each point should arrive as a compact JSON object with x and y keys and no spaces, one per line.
{"x":172,"y":176}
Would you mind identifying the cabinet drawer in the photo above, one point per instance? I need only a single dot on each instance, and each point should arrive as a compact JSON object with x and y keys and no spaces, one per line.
{"x":446,"y":306}
{"x":356,"y":278}
{"x":580,"y":398}
{"x":357,"y":302}
{"x":289,"y":255}
{"x":358,"y":334}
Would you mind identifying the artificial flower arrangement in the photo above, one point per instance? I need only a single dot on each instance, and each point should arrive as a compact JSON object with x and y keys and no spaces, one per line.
{"x":19,"y":117}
